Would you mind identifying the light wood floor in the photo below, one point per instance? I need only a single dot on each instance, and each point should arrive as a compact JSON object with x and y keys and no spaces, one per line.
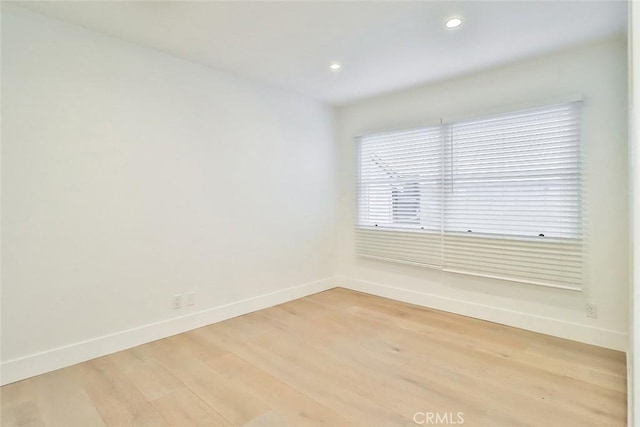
{"x":335,"y":358}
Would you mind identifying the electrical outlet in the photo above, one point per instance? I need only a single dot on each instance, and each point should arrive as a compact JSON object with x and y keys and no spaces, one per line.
{"x":177,"y":301}
{"x":592,"y":310}
{"x":191,"y":298}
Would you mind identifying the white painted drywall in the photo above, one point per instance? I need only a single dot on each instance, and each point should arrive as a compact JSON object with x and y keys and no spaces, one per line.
{"x":129,"y":175}
{"x":599,"y":72}
{"x":633,"y":352}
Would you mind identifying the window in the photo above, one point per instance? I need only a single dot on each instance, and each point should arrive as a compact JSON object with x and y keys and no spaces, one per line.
{"x":400,"y":180}
{"x":498,"y":196}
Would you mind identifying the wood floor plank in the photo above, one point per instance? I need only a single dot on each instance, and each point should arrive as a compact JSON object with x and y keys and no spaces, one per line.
{"x":335,"y":358}
{"x":199,"y":348}
{"x":182,"y":407}
{"x":63,"y":401}
{"x":148,"y":375}
{"x":231,"y":400}
{"x":113,"y":394}
{"x":16,"y":393}
{"x":24,"y":414}
{"x":293,"y":406}
{"x":270,"y":419}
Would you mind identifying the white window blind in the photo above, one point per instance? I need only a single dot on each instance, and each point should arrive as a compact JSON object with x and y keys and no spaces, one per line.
{"x":400,"y":196}
{"x":514,"y":180}
{"x":498,"y":196}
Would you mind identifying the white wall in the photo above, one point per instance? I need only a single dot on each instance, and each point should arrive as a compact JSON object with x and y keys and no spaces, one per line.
{"x":129,"y":175}
{"x":598,"y":71}
{"x":633,"y":355}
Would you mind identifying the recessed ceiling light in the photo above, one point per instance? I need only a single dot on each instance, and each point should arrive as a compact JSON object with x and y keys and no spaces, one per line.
{"x":453,"y":22}
{"x":335,"y":66}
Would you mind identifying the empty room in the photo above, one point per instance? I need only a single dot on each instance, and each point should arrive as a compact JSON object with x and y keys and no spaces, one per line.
{"x":305,"y":213}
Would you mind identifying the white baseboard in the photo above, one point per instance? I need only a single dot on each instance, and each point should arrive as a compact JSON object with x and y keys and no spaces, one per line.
{"x":545,"y":325}
{"x":60,"y":357}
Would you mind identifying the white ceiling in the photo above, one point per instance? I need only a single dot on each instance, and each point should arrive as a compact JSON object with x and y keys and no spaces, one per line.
{"x":382,"y":46}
